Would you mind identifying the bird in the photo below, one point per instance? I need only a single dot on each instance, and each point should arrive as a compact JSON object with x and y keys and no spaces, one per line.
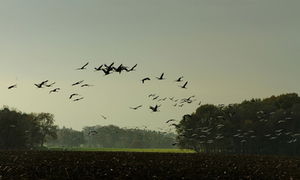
{"x":170,"y":120}
{"x":83,"y":67}
{"x":86,"y":85}
{"x":78,"y":99}
{"x":92,"y":132}
{"x":161,"y":77}
{"x":155,"y":97}
{"x":76,"y":83}
{"x":40,"y":85}
{"x":184,"y":86}
{"x":179,"y":79}
{"x":106,"y":71}
{"x":110,"y":66}
{"x":135,"y":108}
{"x":150,"y":95}
{"x":103,"y":117}
{"x":119,"y":69}
{"x":145,"y":79}
{"x":54,"y":90}
{"x":98,"y":68}
{"x":50,"y":85}
{"x":74,"y":94}
{"x":132,"y":69}
{"x":154,"y":109}
{"x":12,"y":86}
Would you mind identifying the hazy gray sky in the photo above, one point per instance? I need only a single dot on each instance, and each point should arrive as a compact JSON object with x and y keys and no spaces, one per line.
{"x":229,"y":50}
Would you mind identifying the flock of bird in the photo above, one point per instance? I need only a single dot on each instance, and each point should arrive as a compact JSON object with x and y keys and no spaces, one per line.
{"x":202,"y":132}
{"x":108,"y":69}
{"x":209,"y":135}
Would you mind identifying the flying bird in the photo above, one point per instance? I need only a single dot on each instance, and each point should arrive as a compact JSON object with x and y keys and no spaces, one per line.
{"x":83,"y":67}
{"x":161,"y":77}
{"x":110,"y":66}
{"x":92,"y":132}
{"x":155,"y":97}
{"x":86,"y":85}
{"x":98,"y":68}
{"x":184,"y":86}
{"x":50,"y":85}
{"x":155,"y":108}
{"x":120,"y":68}
{"x":54,"y":90}
{"x":145,"y":79}
{"x":12,"y":86}
{"x":76,"y":83}
{"x":106,"y":71}
{"x":74,"y":94}
{"x":170,"y":120}
{"x":135,"y":108}
{"x":40,"y":85}
{"x":103,"y":117}
{"x":179,"y":79}
{"x":132,"y":69}
{"x":78,"y":99}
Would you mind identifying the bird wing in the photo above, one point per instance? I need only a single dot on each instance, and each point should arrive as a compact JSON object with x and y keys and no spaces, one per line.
{"x":162,"y":75}
{"x":84,"y":65}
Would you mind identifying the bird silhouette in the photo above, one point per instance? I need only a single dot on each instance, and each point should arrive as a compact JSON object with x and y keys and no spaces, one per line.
{"x":155,"y":98}
{"x":12,"y":86}
{"x":170,"y":120}
{"x":155,"y":108}
{"x":135,"y":108}
{"x":150,"y":95}
{"x":92,"y":132}
{"x":161,"y":77}
{"x":40,"y":85}
{"x":78,"y":99}
{"x":106,"y":71}
{"x":72,"y":95}
{"x":120,"y":68}
{"x":103,"y":117}
{"x":86,"y":85}
{"x":184,"y":86}
{"x":77,"y":83}
{"x":98,"y":68}
{"x":110,"y":66}
{"x":54,"y":90}
{"x":50,"y":85}
{"x":132,"y":69}
{"x":179,"y":79}
{"x":83,"y":67}
{"x":145,"y":79}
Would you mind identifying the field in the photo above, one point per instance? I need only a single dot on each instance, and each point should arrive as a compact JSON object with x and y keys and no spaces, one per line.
{"x":125,"y":150}
{"x":143,"y":165}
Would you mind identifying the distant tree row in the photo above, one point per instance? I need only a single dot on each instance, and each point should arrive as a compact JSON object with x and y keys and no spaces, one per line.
{"x":25,"y":131}
{"x":260,"y":126}
{"x":112,"y":137}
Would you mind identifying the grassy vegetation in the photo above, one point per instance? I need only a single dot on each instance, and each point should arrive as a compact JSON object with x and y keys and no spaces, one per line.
{"x":124,"y":150}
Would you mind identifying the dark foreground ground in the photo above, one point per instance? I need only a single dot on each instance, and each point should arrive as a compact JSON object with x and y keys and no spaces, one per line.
{"x":133,"y":165}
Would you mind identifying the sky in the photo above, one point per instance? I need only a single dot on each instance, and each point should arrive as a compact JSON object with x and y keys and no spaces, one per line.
{"x":228,"y":51}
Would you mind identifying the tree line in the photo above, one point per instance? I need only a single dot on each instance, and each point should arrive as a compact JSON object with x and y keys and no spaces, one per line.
{"x":25,"y":131}
{"x":111,"y":137}
{"x":38,"y":130}
{"x":258,"y":126}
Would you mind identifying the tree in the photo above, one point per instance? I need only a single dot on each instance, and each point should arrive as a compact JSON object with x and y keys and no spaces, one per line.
{"x":268,"y":126}
{"x":46,"y":126}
